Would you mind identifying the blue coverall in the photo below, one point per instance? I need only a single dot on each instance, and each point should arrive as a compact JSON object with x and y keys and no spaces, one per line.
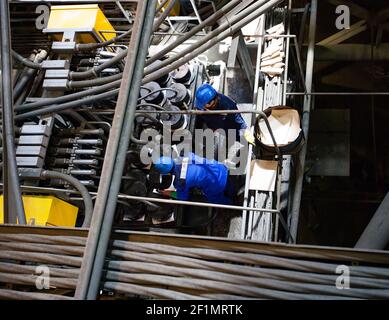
{"x":226,"y":121}
{"x":209,"y":176}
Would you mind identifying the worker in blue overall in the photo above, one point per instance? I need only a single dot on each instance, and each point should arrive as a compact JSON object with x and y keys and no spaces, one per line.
{"x":194,"y":172}
{"x":207,"y":98}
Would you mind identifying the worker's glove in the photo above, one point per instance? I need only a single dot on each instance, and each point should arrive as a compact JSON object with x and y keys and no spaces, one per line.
{"x":249,"y":137}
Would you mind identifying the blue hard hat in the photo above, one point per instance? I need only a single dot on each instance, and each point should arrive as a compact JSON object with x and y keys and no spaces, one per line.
{"x":204,"y":94}
{"x":164,"y":165}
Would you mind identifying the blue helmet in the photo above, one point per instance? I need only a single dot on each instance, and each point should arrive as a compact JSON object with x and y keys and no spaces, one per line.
{"x":164,"y":165}
{"x":204,"y":94}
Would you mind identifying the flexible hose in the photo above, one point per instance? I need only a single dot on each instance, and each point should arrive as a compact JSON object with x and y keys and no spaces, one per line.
{"x":93,"y":82}
{"x":158,"y":90}
{"x":65,"y":106}
{"x":92,"y":46}
{"x":69,"y":97}
{"x":27,"y":75}
{"x":94,"y":72}
{"x":88,"y":204}
{"x":26,"y":62}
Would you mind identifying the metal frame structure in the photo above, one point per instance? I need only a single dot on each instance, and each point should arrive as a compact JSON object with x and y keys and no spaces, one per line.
{"x":92,"y":246}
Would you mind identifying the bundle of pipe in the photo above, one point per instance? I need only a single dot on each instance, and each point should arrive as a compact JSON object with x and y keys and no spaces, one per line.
{"x":210,"y":271}
{"x":21,"y":254}
{"x":226,"y":29}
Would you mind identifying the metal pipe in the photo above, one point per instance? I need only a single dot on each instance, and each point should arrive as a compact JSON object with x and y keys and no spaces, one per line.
{"x":44,"y":248}
{"x":301,"y":70}
{"x":287,"y":54}
{"x":376,"y":234}
{"x":42,"y":258}
{"x":18,"y":295}
{"x":256,"y":103}
{"x":198,"y":258}
{"x":338,"y":93}
{"x":24,"y":269}
{"x":239,"y":274}
{"x":164,"y":14}
{"x":10,"y":278}
{"x":195,"y":50}
{"x":137,"y":290}
{"x":193,"y":31}
{"x":295,"y":209}
{"x":100,"y":230}
{"x":210,"y":37}
{"x":13,"y":203}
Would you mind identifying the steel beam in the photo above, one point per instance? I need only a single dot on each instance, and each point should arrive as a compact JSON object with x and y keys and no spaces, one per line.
{"x":298,"y":185}
{"x":13,"y":204}
{"x":376,"y":234}
{"x":100,"y":230}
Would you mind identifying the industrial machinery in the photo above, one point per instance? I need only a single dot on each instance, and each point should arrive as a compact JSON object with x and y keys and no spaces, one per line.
{"x":92,"y":93}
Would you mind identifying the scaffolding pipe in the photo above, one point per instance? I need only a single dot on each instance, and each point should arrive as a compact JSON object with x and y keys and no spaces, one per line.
{"x":338,"y":93}
{"x":376,"y":234}
{"x":13,"y":203}
{"x":226,"y":29}
{"x":296,"y":202}
{"x":192,"y":32}
{"x":97,"y":243}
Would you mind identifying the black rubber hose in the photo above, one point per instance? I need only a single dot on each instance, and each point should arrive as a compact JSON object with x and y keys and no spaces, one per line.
{"x":13,"y":203}
{"x":26,"y":62}
{"x":88,"y":204}
{"x":94,"y":72}
{"x":94,"y":82}
{"x":158,"y":90}
{"x":25,"y":78}
{"x":69,"y":97}
{"x":92,"y":46}
{"x":65,"y":106}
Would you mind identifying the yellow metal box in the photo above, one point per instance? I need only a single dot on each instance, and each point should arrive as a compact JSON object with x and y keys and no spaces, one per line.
{"x":176,"y":8}
{"x":88,"y":21}
{"x":46,"y":211}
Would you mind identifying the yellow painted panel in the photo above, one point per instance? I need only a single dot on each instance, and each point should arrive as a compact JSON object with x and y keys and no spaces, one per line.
{"x":46,"y":210}
{"x":176,"y":8}
{"x":79,"y":17}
